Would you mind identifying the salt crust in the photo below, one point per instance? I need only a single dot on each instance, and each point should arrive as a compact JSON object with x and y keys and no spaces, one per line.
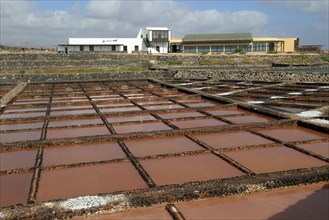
{"x":320,"y":121}
{"x":255,"y":102}
{"x":310,"y":114}
{"x":84,"y":202}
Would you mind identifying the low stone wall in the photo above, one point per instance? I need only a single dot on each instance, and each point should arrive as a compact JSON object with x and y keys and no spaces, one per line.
{"x":284,"y":76}
{"x":14,"y":78}
{"x":27,"y":62}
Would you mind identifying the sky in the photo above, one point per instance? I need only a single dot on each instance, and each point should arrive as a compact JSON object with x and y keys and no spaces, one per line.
{"x":52,"y":22}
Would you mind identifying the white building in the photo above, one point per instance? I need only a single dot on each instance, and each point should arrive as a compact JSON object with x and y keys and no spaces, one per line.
{"x":154,"y":39}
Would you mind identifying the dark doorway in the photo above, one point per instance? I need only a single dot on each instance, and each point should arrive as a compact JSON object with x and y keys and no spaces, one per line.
{"x":271,"y":47}
{"x":66,"y":50}
{"x":91,"y":48}
{"x":136,"y":48}
{"x":81,"y":48}
{"x":175,"y":48}
{"x":113,"y":48}
{"x":158,"y":48}
{"x":125,"y":49}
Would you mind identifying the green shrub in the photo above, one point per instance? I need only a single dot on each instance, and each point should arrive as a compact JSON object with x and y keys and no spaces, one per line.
{"x":209,"y":62}
{"x":238,"y":50}
{"x":175,"y":62}
{"x":325,"y":59}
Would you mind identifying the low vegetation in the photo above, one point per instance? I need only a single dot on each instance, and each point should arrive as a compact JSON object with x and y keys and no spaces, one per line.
{"x":209,"y":62}
{"x":175,"y":62}
{"x":326,"y":59}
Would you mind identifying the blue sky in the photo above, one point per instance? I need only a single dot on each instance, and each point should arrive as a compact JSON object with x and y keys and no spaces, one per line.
{"x":47,"y":22}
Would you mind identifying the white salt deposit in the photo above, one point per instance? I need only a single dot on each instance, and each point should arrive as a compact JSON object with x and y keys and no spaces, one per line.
{"x":200,"y":88}
{"x":277,"y":97}
{"x":311,"y":90}
{"x":225,"y":93}
{"x":255,"y":102}
{"x":85,"y":202}
{"x":294,"y":93}
{"x":320,"y":121}
{"x":184,"y":84}
{"x":2,"y":215}
{"x":323,"y":87}
{"x":310,"y":114}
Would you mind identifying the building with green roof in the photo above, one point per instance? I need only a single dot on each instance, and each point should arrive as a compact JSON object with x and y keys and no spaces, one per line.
{"x":230,"y":42}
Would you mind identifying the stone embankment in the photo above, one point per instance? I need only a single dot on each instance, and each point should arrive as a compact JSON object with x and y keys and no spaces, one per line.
{"x":254,"y":75}
{"x":31,"y":67}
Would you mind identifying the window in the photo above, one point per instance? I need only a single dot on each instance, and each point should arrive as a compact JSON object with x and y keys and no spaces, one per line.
{"x":160,"y":34}
{"x":189,"y":49}
{"x":217,"y":48}
{"x":246,"y":48}
{"x":259,"y":46}
{"x":203,"y":49}
{"x":230,"y":48}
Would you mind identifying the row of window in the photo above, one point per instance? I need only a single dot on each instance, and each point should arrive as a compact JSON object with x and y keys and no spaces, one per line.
{"x":160,"y":34}
{"x":230,"y":48}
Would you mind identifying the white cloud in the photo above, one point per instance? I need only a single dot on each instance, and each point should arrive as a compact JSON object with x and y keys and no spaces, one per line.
{"x":309,"y":6}
{"x":22,"y":21}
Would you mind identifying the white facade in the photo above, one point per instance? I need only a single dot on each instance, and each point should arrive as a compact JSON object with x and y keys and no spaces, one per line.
{"x":154,"y":39}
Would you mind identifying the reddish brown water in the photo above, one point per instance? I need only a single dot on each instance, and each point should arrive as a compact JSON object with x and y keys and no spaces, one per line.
{"x":177,"y":170}
{"x":158,"y":107}
{"x":76,"y":132}
{"x":140,"y":127}
{"x":109,"y":105}
{"x":81,"y":153}
{"x":62,"y":123}
{"x":248,"y":119}
{"x":20,"y":136}
{"x":163,"y":145}
{"x":201,"y":104}
{"x":17,"y":159}
{"x":90,"y":180}
{"x":73,"y":112}
{"x":15,"y":110}
{"x":318,"y":148}
{"x":5,"y":127}
{"x":232,"y":139}
{"x":265,"y":160}
{"x":14,"y":189}
{"x":294,"y":134}
{"x":129,"y":118}
{"x":73,"y":107}
{"x":125,"y":109}
{"x":180,"y":115}
{"x":300,"y":202}
{"x":154,"y":102}
{"x":198,"y":123}
{"x":23,"y":115}
{"x":227,"y":112}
